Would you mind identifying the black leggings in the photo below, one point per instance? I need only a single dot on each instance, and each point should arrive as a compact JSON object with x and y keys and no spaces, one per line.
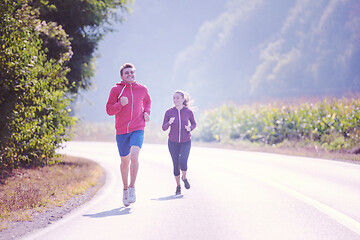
{"x":179,"y":153}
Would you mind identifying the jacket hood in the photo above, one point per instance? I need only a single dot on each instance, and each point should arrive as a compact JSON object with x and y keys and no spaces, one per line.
{"x":124,"y":83}
{"x":184,"y":107}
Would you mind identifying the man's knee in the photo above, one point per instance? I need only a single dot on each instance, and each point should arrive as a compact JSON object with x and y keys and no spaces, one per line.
{"x":134,"y":153}
{"x":134,"y":149}
{"x":125,"y":160}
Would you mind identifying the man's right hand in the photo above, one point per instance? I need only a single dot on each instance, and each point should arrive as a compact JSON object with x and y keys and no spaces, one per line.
{"x":124,"y":101}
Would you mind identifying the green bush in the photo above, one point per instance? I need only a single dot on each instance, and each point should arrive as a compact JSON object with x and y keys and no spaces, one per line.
{"x":34,"y":118}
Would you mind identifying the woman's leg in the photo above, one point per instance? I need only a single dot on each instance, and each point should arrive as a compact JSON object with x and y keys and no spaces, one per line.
{"x":184,"y":155}
{"x":174,"y":150}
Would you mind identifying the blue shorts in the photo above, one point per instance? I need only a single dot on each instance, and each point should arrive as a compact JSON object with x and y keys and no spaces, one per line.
{"x":127,"y":140}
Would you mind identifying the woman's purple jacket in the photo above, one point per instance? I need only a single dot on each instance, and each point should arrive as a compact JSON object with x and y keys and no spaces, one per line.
{"x":178,"y":133}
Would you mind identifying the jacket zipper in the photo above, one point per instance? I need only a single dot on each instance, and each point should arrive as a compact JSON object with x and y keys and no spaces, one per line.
{"x":132,"y":108}
{"x":179,"y":125}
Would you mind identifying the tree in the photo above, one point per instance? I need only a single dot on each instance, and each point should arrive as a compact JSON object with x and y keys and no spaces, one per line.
{"x":46,"y":51}
{"x":33,"y":102}
{"x":85,"y":22}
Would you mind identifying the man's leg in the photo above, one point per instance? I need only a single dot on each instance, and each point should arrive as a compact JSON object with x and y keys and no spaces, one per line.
{"x":134,"y":164}
{"x":124,"y":169}
{"x":136,"y":141}
{"x":134,"y":167}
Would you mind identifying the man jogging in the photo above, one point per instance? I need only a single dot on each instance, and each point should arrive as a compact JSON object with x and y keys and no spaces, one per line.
{"x":130,"y":102}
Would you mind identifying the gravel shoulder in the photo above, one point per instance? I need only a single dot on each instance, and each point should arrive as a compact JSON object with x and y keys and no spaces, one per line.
{"x":45,"y":218}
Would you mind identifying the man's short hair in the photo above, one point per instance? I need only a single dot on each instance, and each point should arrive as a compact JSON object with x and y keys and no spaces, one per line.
{"x":126,"y":65}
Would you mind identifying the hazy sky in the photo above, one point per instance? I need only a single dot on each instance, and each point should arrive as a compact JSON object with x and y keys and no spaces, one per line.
{"x":231,"y":51}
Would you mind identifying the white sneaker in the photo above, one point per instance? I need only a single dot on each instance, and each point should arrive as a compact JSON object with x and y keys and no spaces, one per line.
{"x":132,"y":196}
{"x":126,"y":198}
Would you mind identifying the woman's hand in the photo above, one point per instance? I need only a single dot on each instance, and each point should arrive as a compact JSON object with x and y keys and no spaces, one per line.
{"x":188,"y":128}
{"x":171,"y":120}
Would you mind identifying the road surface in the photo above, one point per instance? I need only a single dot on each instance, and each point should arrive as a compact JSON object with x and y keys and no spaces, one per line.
{"x":233,"y":195}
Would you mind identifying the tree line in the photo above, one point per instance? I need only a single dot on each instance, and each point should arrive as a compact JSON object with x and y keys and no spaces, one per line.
{"x":46,"y":56}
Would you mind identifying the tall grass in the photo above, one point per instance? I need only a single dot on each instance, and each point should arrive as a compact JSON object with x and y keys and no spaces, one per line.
{"x":34,"y":190}
{"x":334,"y":124}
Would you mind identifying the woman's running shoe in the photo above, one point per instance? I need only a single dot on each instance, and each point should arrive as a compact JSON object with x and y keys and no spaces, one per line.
{"x":178,"y":190}
{"x":186,"y":183}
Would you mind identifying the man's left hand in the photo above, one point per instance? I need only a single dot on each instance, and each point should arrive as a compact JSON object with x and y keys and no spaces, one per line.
{"x":146,"y":117}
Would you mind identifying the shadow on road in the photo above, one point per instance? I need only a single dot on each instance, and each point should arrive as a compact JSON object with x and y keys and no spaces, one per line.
{"x":172,"y":197}
{"x":113,"y":212}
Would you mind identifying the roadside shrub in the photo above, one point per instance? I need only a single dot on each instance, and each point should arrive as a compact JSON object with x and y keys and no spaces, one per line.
{"x":34,"y":114}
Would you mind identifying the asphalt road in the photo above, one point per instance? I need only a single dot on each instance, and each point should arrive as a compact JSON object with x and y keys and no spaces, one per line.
{"x":233,"y":195}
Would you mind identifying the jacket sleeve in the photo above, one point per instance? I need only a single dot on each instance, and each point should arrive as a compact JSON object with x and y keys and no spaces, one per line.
{"x":166,"y":124}
{"x":112,"y":105}
{"x":192,"y":121}
{"x":147,"y":102}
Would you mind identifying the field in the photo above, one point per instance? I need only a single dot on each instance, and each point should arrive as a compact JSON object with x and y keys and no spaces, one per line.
{"x":332,"y":125}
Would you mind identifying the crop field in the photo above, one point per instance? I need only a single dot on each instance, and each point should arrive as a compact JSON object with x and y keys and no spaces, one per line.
{"x":332,"y":124}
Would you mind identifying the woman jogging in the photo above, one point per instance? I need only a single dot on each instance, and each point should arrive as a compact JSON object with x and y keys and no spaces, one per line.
{"x":179,"y":143}
{"x":130,"y":102}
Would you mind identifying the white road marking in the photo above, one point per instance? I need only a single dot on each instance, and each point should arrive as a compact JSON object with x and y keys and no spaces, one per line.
{"x":336,"y":215}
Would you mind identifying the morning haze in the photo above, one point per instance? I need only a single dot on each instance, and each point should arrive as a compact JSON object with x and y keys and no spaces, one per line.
{"x":238,"y":51}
